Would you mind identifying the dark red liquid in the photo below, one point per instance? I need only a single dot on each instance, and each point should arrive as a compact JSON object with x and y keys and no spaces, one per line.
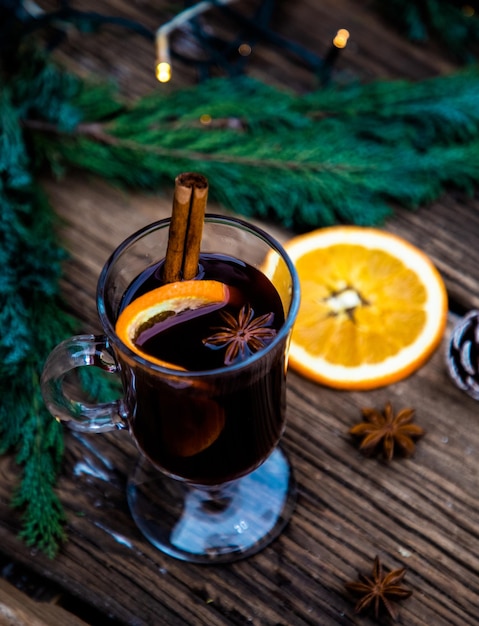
{"x":208,"y":429}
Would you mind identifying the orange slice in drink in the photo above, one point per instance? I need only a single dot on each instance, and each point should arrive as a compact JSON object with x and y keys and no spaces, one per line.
{"x":373,"y":307}
{"x":164,"y":303}
{"x":196,"y":423}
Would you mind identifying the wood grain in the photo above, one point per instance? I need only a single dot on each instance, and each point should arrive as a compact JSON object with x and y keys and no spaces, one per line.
{"x":421,"y":513}
{"x":17,"y":610}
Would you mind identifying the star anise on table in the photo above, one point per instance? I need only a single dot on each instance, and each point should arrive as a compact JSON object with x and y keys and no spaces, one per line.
{"x":379,"y":591}
{"x":242,"y":337}
{"x":387,"y":430}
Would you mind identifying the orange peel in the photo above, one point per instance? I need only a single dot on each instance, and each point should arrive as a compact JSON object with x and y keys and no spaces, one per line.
{"x":171,"y":299}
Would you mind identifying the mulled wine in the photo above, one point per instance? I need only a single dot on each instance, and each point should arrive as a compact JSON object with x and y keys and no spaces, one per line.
{"x":202,"y":358}
{"x":211,"y":428}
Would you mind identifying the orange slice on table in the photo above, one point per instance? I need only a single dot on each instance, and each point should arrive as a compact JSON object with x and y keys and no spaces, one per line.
{"x":162,"y":303}
{"x":373,"y":307}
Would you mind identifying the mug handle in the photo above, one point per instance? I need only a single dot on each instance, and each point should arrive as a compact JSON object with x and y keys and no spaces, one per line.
{"x":61,"y":398}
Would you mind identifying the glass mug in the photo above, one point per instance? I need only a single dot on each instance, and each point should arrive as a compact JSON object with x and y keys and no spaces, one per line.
{"x":236,"y":494}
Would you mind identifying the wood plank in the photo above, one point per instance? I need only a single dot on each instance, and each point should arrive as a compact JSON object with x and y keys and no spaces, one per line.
{"x":17,"y":609}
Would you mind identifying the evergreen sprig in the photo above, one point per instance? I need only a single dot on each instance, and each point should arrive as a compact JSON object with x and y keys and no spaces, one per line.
{"x":32,"y":319}
{"x":336,"y":155}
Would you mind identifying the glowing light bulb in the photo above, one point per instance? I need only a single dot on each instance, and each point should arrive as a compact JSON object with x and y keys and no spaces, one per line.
{"x":163,"y":72}
{"x":341,"y":38}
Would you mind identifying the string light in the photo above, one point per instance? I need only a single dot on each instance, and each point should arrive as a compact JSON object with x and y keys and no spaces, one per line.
{"x":163,"y":60}
{"x":163,"y":64}
{"x":339,"y":42}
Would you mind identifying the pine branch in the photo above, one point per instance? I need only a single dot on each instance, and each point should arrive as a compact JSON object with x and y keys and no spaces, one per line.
{"x":32,"y":322}
{"x":39,"y":453}
{"x":352,"y":152}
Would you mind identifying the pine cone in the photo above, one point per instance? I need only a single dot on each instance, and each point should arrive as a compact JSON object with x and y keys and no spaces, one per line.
{"x":463,"y":354}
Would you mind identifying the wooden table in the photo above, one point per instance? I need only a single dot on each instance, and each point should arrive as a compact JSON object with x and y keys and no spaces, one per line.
{"x":421,"y":513}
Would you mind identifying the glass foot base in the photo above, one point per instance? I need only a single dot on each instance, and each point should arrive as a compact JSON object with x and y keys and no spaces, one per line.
{"x":213,"y":524}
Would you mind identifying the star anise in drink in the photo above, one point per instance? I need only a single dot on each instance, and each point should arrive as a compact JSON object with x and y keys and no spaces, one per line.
{"x":243,"y":336}
{"x":387,"y":430}
{"x":379,"y":591}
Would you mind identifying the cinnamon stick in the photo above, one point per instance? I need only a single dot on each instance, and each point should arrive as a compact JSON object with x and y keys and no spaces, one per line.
{"x":186,"y":227}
